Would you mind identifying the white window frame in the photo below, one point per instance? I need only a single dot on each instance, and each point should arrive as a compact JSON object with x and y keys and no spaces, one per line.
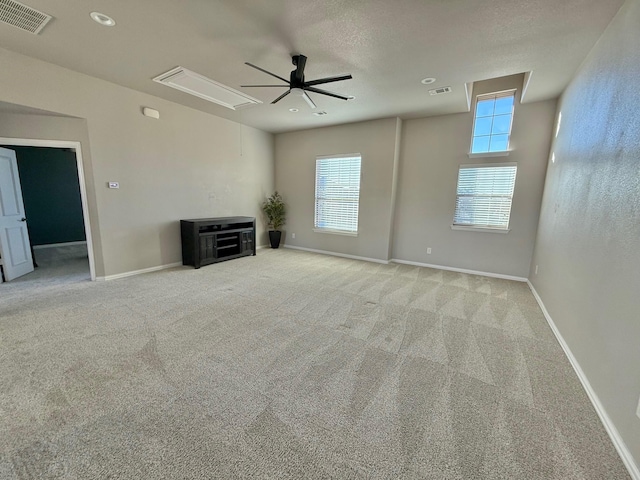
{"x":488,"y":96}
{"x":336,"y":231}
{"x":484,"y":227}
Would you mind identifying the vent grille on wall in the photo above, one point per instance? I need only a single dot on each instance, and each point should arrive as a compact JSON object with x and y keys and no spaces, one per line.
{"x":195,"y":84}
{"x":21,"y":16}
{"x":440,"y":91}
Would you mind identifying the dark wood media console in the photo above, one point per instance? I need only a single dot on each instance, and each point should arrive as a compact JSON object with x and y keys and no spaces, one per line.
{"x":212,"y":240}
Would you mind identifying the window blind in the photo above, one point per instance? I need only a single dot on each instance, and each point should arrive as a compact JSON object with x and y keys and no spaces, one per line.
{"x":337,"y":193}
{"x":484,"y":196}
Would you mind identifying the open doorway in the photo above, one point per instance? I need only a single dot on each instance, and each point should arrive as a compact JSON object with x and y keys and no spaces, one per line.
{"x":56,"y":220}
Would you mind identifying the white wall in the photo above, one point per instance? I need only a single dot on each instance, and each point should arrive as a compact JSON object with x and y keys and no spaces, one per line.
{"x":588,"y":244}
{"x":188,"y":164}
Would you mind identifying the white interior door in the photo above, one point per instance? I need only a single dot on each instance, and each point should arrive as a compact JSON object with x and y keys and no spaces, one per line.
{"x":15,"y":250}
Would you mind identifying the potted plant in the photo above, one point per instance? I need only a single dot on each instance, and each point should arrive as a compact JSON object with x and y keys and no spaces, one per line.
{"x":275,"y":210}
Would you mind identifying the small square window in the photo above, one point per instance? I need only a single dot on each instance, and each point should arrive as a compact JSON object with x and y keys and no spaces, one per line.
{"x":480,"y":144}
{"x":483,"y":126}
{"x":501,"y":124}
{"x":504,"y":105}
{"x":485,"y":108}
{"x":492,"y":122}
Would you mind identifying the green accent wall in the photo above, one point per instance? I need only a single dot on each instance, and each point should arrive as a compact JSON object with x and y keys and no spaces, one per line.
{"x":51,"y":193}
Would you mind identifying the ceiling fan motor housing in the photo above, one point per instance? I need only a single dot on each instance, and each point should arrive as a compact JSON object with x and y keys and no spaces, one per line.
{"x":297,"y":76}
{"x":293,"y":80}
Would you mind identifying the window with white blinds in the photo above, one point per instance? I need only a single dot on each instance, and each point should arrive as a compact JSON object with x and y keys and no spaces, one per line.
{"x":337,"y":194}
{"x":484,"y":196}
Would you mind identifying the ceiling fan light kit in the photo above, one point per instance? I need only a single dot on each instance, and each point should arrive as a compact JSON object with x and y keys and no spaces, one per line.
{"x":297,"y":84}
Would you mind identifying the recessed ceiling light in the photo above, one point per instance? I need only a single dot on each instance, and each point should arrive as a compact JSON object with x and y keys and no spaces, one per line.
{"x":103,"y":19}
{"x":428,"y":81}
{"x":294,"y":110}
{"x":319,"y":114}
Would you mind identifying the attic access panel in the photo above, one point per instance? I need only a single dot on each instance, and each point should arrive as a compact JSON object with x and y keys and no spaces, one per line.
{"x":200,"y":86}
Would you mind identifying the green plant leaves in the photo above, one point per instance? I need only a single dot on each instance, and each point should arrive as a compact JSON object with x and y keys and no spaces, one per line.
{"x":275,"y":210}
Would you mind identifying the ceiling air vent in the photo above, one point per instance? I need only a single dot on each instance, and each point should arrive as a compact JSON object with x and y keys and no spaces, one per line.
{"x":25,"y":18}
{"x":440,"y":91}
{"x":195,"y":84}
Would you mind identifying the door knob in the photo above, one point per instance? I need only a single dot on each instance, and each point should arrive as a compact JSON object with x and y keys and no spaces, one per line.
{"x":23,"y":219}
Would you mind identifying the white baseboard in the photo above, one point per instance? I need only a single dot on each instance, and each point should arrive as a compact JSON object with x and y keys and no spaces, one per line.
{"x":53,"y":245}
{"x":617,"y":440}
{"x":138,"y":272}
{"x":460,"y":270}
{"x":336,"y":254}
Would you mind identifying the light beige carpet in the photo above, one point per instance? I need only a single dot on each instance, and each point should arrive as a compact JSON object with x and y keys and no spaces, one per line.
{"x":57,"y":266}
{"x":290,"y":365}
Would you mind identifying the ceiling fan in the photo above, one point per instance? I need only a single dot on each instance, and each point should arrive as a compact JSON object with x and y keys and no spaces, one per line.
{"x":297,"y":84}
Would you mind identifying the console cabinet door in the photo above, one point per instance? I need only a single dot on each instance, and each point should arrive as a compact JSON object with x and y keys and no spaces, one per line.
{"x":247,"y":241}
{"x":207,"y":248}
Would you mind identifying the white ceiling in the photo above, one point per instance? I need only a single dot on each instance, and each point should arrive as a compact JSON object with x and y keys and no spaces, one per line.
{"x":387,"y":45}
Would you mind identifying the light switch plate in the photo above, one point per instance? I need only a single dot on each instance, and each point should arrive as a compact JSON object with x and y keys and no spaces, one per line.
{"x":638,"y":410}
{"x":114,"y":185}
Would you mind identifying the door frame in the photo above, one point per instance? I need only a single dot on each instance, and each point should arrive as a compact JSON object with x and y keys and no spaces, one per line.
{"x":77,"y":149}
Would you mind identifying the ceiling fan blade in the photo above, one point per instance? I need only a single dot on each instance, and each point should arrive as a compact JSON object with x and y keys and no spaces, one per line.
{"x":281,"y":97}
{"x":324,"y":92}
{"x":265,"y":71}
{"x":299,"y":61}
{"x":307,"y":99}
{"x":251,"y":86}
{"x":320,"y":81}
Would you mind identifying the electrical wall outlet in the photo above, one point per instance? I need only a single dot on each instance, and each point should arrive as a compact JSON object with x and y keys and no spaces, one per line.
{"x":293,"y":235}
{"x":536,"y":269}
{"x":428,"y":250}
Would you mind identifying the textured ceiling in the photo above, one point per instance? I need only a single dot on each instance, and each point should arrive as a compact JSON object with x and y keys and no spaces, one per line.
{"x":387,"y":45}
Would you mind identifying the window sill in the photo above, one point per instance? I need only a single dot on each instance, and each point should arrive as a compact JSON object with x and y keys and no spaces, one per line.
{"x":479,"y":229}
{"x":336,"y":232}
{"x":489,"y":154}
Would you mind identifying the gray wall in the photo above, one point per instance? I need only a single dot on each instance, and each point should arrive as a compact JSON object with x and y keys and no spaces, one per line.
{"x":188,"y":164}
{"x":295,"y":179}
{"x":401,"y":222}
{"x":432,"y":150}
{"x":588,"y":244}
